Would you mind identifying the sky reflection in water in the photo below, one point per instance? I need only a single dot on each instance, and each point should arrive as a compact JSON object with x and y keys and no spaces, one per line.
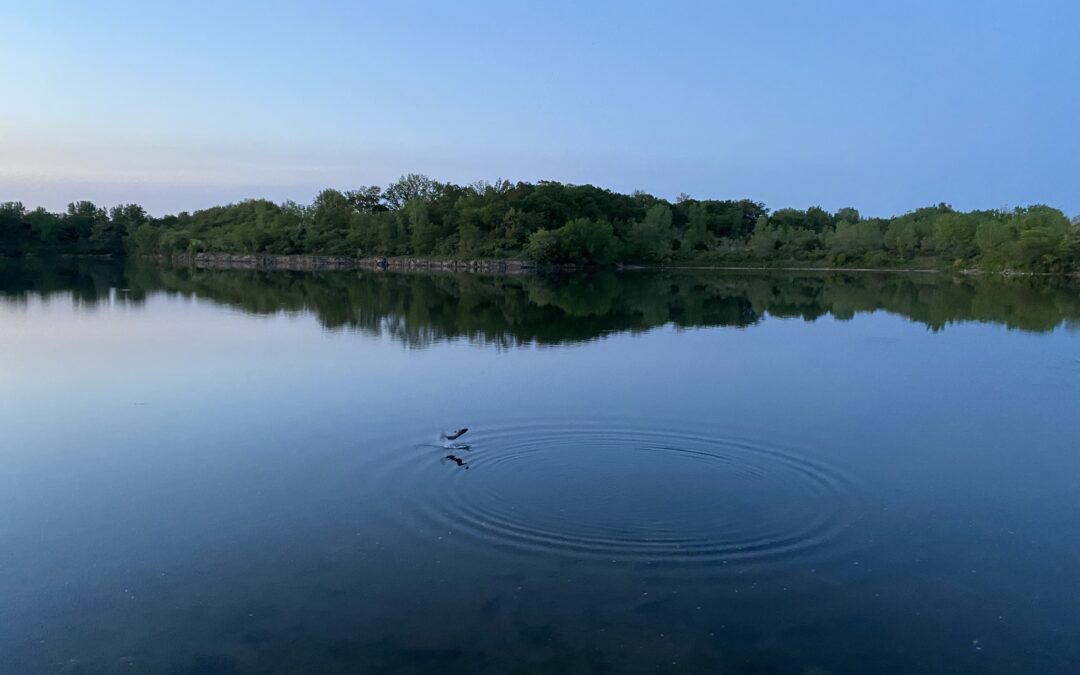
{"x":228,"y":471}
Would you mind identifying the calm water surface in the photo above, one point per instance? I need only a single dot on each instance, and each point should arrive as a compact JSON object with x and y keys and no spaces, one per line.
{"x":229,"y":471}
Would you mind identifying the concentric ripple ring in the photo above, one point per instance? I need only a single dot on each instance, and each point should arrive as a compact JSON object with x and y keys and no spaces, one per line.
{"x":649,"y":494}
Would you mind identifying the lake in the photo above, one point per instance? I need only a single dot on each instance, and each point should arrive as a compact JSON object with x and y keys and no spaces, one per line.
{"x":240,"y":471}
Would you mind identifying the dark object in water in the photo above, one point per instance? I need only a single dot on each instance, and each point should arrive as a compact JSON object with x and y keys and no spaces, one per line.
{"x":457,"y":460}
{"x":381,"y":263}
{"x":454,"y":435}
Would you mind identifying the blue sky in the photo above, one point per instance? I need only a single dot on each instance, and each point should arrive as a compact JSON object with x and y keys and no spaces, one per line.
{"x":885,"y":106}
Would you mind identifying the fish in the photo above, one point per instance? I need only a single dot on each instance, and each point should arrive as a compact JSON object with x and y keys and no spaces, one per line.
{"x":453,"y":435}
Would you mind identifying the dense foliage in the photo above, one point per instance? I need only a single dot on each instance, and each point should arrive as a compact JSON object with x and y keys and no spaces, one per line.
{"x":551,"y":222}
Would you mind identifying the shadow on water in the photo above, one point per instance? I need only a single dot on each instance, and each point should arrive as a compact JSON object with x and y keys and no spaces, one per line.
{"x":507,"y":311}
{"x":457,"y":460}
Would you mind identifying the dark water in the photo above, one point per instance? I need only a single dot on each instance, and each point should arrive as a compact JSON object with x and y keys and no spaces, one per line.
{"x":216,"y":472}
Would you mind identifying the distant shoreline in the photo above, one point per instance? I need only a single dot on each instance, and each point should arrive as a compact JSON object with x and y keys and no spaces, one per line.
{"x":429,"y":225}
{"x":307,"y":263}
{"x":317,"y":262}
{"x":506,"y":266}
{"x":303,"y":262}
{"x":768,"y":268}
{"x":972,"y":272}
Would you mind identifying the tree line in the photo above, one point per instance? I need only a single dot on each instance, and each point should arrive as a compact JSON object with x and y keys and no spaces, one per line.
{"x":552,"y":222}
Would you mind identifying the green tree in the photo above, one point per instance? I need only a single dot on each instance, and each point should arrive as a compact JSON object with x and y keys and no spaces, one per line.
{"x":366,"y":199}
{"x":650,"y":239}
{"x":423,"y":234}
{"x":849,"y":214}
{"x":124,"y":219}
{"x":765,"y":239}
{"x":854,"y":238}
{"x":85,"y":228}
{"x":1043,"y":238}
{"x":581,"y":240}
{"x":992,"y":235}
{"x":14,"y":229}
{"x":590,"y":241}
{"x":902,"y":237}
{"x":146,"y":239}
{"x":411,"y":187}
{"x":818,"y":219}
{"x":329,"y":223}
{"x":545,"y":246}
{"x":469,"y":238}
{"x":954,"y":235}
{"x":697,"y":228}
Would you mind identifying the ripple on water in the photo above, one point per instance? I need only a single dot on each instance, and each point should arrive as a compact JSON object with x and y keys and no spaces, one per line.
{"x":624,"y":494}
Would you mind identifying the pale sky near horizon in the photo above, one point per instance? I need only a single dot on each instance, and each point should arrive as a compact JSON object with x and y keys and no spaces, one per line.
{"x":885,"y":106}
